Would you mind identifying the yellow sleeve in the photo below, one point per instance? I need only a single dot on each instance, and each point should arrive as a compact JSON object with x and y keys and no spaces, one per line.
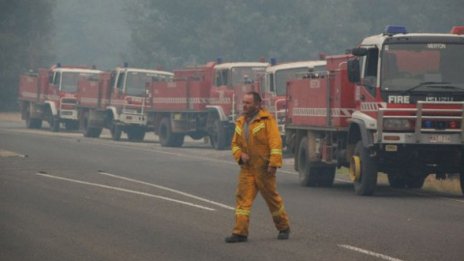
{"x":275,"y":143}
{"x":236,"y":150}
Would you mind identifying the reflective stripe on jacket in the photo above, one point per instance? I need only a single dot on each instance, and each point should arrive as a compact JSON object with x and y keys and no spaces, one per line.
{"x":264,"y":144}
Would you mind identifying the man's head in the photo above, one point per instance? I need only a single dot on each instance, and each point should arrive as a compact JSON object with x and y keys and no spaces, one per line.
{"x":251,"y":103}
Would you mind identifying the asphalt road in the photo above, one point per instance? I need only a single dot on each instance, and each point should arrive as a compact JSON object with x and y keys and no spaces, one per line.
{"x":66,"y":197}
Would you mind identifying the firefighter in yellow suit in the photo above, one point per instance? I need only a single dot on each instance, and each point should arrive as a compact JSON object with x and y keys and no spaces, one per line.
{"x":257,"y":148}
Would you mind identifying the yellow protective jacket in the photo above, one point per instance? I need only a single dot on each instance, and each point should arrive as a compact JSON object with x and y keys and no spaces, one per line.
{"x":264,"y":144}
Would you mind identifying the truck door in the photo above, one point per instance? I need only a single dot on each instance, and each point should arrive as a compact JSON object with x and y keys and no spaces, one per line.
{"x":369,"y":79}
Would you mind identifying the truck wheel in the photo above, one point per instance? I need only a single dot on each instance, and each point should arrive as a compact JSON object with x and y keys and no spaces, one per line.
{"x":308,"y":175}
{"x":363,"y":164}
{"x":54,"y":123}
{"x":327,"y":176}
{"x":116,"y":132}
{"x":33,"y":123}
{"x":94,"y":132}
{"x":89,"y":132}
{"x":166,"y":137}
{"x":71,"y":125}
{"x":136,"y":133}
{"x":218,"y":135}
{"x":178,"y":140}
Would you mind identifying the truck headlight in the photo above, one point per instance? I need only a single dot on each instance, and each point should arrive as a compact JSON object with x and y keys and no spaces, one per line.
{"x":397,"y":124}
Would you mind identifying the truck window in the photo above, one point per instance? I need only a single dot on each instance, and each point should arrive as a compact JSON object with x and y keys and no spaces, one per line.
{"x":221,"y":78}
{"x":57,"y":79}
{"x":370,"y":70}
{"x":120,"y":81}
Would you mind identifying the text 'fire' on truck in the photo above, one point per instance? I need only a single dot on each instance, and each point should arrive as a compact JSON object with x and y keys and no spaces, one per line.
{"x":118,"y":101}
{"x":274,"y":87}
{"x":202,"y":101}
{"x":51,"y":95}
{"x":396,"y":106}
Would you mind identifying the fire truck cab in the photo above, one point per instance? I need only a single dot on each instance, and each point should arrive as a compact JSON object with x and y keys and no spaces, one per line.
{"x":395,"y":105}
{"x":231,"y":82}
{"x":202,"y":101}
{"x":274,"y":87}
{"x":409,"y":95}
{"x":51,"y":95}
{"x":119,"y":102}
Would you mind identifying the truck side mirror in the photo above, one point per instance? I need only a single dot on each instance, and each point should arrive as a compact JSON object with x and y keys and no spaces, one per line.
{"x":354,"y":71}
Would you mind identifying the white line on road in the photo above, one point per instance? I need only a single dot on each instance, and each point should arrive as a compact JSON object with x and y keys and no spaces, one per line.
{"x":127,"y":191}
{"x":167,"y":189}
{"x":370,"y":253}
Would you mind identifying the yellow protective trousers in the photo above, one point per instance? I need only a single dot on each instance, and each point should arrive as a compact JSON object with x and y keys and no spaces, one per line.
{"x":252,"y":180}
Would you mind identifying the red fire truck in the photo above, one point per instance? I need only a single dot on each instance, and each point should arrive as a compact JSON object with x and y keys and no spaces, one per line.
{"x":274,"y":87}
{"x":396,"y":105}
{"x":50,"y":95}
{"x":118,"y":101}
{"x":202,"y":101}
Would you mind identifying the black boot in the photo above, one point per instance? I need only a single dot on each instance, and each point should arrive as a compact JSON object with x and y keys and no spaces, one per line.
{"x":283,"y":234}
{"x":236,"y":239}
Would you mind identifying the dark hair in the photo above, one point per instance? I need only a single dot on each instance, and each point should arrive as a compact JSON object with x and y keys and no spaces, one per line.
{"x":256,"y":96}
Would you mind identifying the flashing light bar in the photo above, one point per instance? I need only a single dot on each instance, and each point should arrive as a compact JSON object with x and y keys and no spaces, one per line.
{"x":457,"y":30}
{"x":395,"y":29}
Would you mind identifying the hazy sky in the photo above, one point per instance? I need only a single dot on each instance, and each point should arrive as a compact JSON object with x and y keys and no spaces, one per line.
{"x":91,"y":32}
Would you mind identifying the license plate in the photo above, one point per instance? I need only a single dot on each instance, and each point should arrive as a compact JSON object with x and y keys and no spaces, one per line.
{"x":391,"y":148}
{"x":440,"y":139}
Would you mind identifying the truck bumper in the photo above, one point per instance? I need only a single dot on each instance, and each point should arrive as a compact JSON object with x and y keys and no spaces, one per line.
{"x":68,"y":114}
{"x":133,"y":119}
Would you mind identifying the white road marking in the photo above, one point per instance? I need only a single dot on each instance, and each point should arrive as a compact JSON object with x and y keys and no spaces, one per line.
{"x":127,"y":191}
{"x":370,"y":253}
{"x":167,"y":189}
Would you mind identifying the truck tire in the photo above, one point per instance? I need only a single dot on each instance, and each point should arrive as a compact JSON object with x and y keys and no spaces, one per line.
{"x":54,"y":123}
{"x":308,"y":176}
{"x":71,"y":125}
{"x":218,"y":136}
{"x":136,"y":133}
{"x":116,"y":132}
{"x":366,"y":183}
{"x":327,"y":176}
{"x":33,"y":123}
{"x":178,"y":140}
{"x":89,"y":132}
{"x":166,"y":137}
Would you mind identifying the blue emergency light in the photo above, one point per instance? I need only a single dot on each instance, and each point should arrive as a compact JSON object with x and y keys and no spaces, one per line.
{"x":273,"y":61}
{"x":427,"y":124}
{"x":395,"y":29}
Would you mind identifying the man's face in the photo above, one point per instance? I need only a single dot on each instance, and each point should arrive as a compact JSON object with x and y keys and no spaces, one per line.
{"x":249,"y":105}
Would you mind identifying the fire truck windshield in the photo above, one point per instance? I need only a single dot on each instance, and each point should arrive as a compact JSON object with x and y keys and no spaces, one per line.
{"x":408,"y":66}
{"x":245,"y":75}
{"x":136,"y":82}
{"x":69,"y":80}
